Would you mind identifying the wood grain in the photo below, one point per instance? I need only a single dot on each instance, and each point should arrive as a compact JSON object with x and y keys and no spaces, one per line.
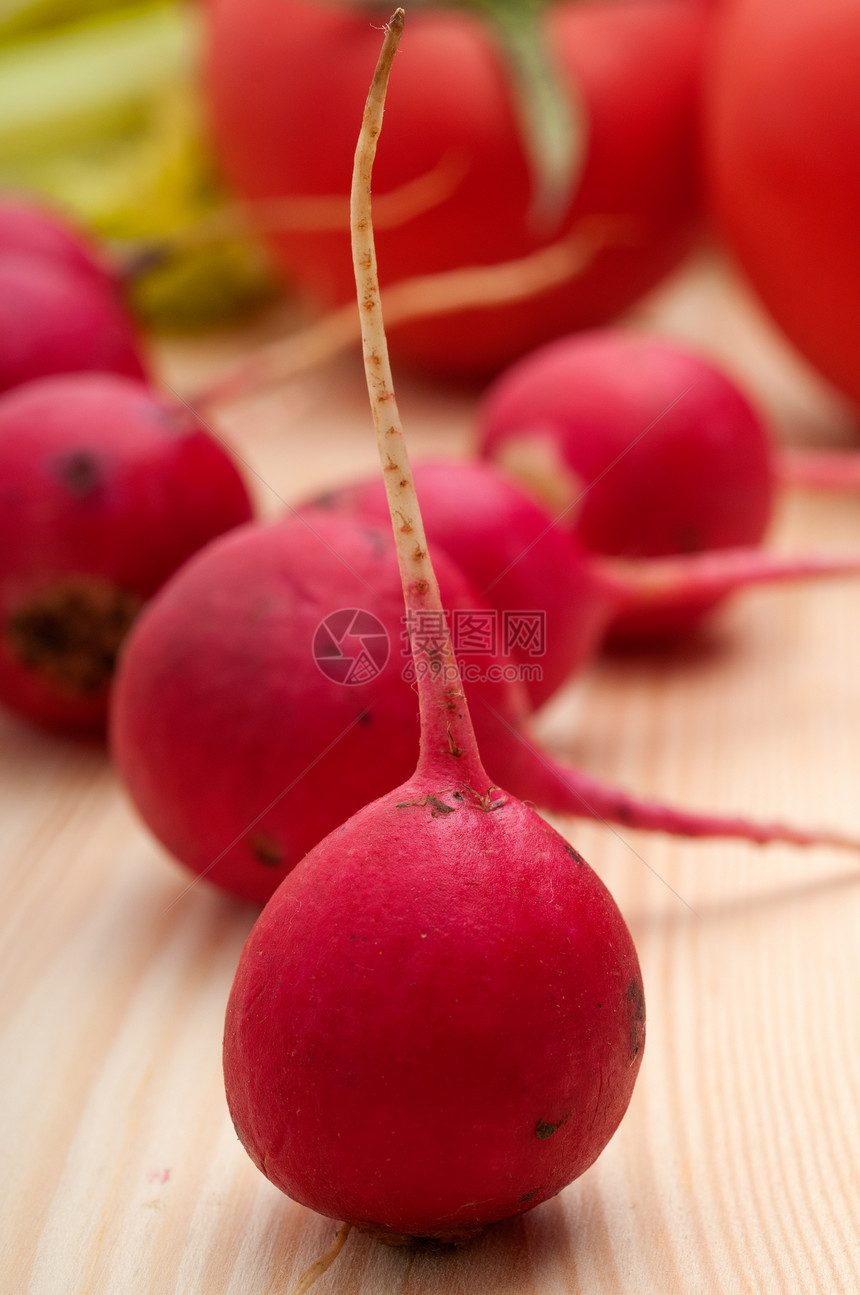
{"x":736,"y":1167}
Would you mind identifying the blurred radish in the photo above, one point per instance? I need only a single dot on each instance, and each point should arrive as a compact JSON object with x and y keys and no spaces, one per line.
{"x":58,"y":319}
{"x":780,"y":143}
{"x":639,"y":448}
{"x":284,"y":80}
{"x":105,"y":488}
{"x":438,"y":1020}
{"x":31,"y":228}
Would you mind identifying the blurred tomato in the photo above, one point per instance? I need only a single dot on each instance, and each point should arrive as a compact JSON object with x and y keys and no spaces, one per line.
{"x":287,"y":82}
{"x":783,"y":151}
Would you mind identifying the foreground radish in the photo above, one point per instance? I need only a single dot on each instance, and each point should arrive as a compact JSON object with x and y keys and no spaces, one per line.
{"x":105,"y":488}
{"x":438,"y":1020}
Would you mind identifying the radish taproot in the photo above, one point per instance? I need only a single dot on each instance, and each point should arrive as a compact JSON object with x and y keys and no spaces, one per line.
{"x":438,"y":1019}
{"x":106,"y":488}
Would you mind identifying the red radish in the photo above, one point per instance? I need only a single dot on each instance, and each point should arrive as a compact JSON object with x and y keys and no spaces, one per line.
{"x":639,"y":446}
{"x":58,"y":319}
{"x":438,"y":1020}
{"x":231,"y":726}
{"x":105,"y":488}
{"x":555,"y":600}
{"x":285,"y":83}
{"x":31,"y":228}
{"x":781,"y":143}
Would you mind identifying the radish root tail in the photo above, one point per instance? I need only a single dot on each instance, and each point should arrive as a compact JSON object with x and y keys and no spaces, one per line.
{"x":321,"y":1265}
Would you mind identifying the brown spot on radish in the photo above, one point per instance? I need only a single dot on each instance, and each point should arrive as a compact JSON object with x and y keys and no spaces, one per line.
{"x":636,"y":1011}
{"x":545,"y":1129}
{"x":266,"y":849}
{"x":80,"y":472}
{"x":528,"y":1196}
{"x":70,"y":632}
{"x":438,"y":808}
{"x":689,"y":538}
{"x":574,"y":854}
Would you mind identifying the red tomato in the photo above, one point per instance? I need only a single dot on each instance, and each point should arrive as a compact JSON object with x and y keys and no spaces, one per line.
{"x":783,"y":142}
{"x":287,"y":82}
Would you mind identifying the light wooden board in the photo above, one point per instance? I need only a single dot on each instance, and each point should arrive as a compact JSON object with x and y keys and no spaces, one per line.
{"x":736,"y":1167}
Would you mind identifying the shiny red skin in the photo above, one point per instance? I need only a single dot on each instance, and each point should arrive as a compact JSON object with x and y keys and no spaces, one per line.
{"x":100,"y":477}
{"x":437,"y":1021}
{"x":287,"y":80}
{"x":36,"y":230}
{"x":55,"y":318}
{"x":237,"y":751}
{"x":666,"y":455}
{"x":513,"y":552}
{"x":782,"y":142}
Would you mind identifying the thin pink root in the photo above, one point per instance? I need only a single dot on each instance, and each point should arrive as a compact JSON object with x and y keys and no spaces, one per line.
{"x":566,"y":790}
{"x":820,"y":469}
{"x":649,"y":583}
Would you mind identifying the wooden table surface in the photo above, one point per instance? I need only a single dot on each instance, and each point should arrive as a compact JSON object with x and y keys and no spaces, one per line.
{"x":737,"y":1167}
